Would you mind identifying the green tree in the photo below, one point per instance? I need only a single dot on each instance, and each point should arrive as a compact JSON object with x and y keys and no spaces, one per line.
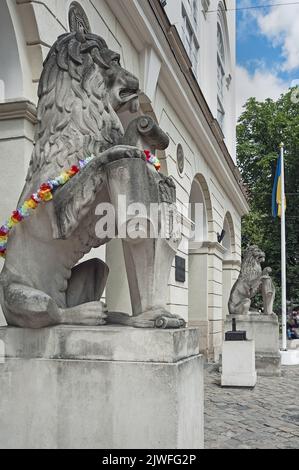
{"x":261,"y":128}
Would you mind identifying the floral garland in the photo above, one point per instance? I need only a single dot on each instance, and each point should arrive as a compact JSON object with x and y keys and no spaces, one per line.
{"x":45,"y":194}
{"x":152,"y":159}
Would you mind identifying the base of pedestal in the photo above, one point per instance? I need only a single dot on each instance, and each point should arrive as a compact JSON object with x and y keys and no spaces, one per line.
{"x":293,"y":344}
{"x":238,"y":364}
{"x":290,"y":357}
{"x":107,"y":387}
{"x":264,"y":330}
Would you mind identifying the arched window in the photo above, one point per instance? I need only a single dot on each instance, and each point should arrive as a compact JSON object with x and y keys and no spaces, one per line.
{"x":220,"y":76}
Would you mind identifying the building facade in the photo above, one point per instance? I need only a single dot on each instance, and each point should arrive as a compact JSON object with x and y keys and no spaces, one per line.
{"x":183,"y":52}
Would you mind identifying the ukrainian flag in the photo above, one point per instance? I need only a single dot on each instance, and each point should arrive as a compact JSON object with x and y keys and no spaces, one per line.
{"x":276,"y":192}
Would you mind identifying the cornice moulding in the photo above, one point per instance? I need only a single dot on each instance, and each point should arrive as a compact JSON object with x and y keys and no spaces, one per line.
{"x":18,"y":109}
{"x":207,"y":248}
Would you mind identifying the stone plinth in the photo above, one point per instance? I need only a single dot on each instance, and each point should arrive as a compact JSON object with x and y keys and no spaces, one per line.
{"x":290,"y":357}
{"x":101,"y":387}
{"x":238,"y":364}
{"x":264,"y":330}
{"x":293,"y":344}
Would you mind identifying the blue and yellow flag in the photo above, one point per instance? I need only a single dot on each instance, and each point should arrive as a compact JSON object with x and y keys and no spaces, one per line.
{"x":276,"y":192}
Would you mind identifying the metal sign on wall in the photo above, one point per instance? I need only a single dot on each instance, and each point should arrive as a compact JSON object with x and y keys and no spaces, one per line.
{"x":180,"y":269}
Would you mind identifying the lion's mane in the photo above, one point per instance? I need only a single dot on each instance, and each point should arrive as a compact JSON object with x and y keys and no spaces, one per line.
{"x":251,"y":266}
{"x":74,"y":114}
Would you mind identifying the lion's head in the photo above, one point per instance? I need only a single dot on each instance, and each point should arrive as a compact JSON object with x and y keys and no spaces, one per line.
{"x":251,"y":266}
{"x":81,"y":89}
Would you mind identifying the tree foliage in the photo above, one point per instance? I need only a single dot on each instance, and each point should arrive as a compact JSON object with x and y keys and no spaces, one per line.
{"x":261,"y":128}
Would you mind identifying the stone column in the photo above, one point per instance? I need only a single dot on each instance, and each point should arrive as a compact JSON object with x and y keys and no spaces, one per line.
{"x":198,"y":292}
{"x":17,"y":119}
{"x":205,"y":295}
{"x":117,"y":288}
{"x":215,"y":293}
{"x":101,"y":388}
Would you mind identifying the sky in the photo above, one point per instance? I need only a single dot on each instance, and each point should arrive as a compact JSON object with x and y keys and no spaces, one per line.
{"x":267,"y":49}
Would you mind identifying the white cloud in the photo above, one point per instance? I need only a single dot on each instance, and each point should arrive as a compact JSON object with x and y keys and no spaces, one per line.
{"x":262,"y":84}
{"x":280,"y":26}
{"x":248,"y":17}
{"x":246,"y":20}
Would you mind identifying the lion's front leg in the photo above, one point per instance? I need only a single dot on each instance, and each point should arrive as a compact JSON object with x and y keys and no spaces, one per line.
{"x":117,"y":153}
{"x":244,"y":307}
{"x":241,"y":307}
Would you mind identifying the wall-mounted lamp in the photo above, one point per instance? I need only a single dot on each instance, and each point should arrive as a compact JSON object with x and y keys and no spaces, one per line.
{"x":228,"y":80}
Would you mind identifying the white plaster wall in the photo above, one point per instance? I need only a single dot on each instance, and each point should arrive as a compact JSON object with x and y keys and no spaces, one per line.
{"x":206,"y":34}
{"x":196,"y":163}
{"x":15,"y":150}
{"x":10,"y":68}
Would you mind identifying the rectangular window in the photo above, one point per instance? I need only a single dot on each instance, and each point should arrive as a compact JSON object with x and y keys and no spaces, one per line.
{"x":195,"y":56}
{"x":195,"y":11}
{"x":205,"y":5}
{"x":188,"y":38}
{"x":220,"y":113}
{"x":190,"y":42}
{"x":220,"y":78}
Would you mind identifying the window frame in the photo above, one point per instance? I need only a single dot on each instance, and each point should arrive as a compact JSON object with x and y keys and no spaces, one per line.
{"x":220,"y":111}
{"x":192,"y":47}
{"x":221,"y":72}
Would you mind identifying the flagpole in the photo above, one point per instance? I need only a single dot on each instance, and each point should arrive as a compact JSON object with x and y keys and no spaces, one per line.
{"x":283,"y":255}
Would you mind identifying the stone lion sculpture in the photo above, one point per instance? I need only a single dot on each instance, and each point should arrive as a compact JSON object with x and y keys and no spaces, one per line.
{"x":82,"y":87}
{"x":248,"y":282}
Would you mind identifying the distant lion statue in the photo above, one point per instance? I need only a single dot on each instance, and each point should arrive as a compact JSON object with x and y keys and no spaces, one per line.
{"x":248,"y":282}
{"x":81,"y":90}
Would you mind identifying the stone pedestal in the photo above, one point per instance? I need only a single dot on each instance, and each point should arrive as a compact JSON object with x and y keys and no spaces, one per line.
{"x":264,"y":330}
{"x":238,"y":364}
{"x":101,"y":387}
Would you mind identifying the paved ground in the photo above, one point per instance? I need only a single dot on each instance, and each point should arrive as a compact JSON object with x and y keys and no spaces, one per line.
{"x":265,"y":417}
